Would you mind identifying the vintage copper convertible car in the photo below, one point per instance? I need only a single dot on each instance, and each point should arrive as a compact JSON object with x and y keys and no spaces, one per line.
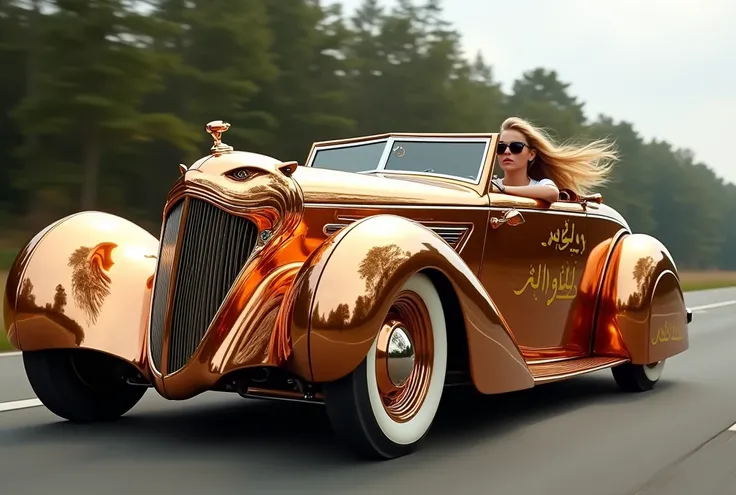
{"x":370,"y":278}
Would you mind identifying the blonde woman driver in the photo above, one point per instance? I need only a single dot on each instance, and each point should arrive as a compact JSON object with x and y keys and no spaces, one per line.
{"x":535,"y":167}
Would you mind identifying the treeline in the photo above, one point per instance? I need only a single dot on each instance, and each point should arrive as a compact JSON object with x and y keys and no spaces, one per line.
{"x":100,"y":100}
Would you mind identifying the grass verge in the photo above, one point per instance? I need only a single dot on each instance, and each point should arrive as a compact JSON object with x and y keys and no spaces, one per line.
{"x":694,"y":280}
{"x":690,"y":281}
{"x":7,"y":256}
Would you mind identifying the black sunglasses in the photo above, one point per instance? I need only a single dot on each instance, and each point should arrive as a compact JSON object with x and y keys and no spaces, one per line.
{"x":516,"y":147}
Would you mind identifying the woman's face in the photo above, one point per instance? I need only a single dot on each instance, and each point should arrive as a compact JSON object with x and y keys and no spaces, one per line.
{"x":516,"y":156}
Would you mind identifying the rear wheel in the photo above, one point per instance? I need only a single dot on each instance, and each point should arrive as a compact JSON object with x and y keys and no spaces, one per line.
{"x":79,"y":385}
{"x":386,"y":406}
{"x":637,"y":377}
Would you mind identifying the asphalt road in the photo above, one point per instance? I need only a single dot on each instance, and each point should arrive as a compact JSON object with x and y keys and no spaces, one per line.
{"x":577,"y":437}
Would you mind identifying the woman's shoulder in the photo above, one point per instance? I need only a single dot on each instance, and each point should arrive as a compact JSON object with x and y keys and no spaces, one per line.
{"x":542,"y":182}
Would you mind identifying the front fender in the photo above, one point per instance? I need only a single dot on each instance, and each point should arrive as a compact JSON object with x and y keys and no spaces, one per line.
{"x":347,"y":286}
{"x":83,"y":282}
{"x":642,"y":312}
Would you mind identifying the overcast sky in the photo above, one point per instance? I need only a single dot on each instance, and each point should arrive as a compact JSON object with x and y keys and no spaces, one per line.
{"x":667,"y":66}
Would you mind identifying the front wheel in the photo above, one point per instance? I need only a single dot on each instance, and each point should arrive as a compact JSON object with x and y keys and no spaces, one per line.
{"x":79,"y":385}
{"x":386,"y":406}
{"x":637,"y":377}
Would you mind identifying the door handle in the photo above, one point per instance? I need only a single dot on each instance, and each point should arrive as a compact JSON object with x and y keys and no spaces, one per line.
{"x":511,"y":217}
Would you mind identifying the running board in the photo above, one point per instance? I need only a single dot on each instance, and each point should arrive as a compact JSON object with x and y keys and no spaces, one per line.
{"x":560,"y":370}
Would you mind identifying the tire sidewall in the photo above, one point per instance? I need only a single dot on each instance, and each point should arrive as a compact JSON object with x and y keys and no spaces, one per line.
{"x":653,"y":374}
{"x":406,"y":435}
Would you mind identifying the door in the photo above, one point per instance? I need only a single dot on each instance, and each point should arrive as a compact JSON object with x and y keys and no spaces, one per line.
{"x":532,"y":268}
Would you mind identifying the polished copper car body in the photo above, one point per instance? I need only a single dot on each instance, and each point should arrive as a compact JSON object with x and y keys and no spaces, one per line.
{"x":272,"y":278}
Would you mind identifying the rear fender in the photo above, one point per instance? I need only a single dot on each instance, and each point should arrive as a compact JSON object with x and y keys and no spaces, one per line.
{"x":346,"y":287}
{"x":83,"y":282}
{"x":642,"y":312}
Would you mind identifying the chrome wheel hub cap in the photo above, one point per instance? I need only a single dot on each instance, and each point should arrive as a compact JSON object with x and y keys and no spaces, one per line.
{"x":400,"y":356}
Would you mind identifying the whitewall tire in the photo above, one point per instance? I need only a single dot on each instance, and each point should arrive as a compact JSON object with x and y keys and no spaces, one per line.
{"x":387,"y":405}
{"x":638,"y":377}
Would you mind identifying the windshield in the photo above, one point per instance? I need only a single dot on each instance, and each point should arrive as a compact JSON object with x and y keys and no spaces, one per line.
{"x":460,"y":158}
{"x":360,"y":157}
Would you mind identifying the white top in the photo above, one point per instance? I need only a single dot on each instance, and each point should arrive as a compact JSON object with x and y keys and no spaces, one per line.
{"x":534,"y":182}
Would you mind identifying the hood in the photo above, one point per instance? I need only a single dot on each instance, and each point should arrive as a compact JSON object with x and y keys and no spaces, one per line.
{"x":333,"y":186}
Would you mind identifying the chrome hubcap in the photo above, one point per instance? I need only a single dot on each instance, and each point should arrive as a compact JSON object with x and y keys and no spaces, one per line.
{"x":400,"y":356}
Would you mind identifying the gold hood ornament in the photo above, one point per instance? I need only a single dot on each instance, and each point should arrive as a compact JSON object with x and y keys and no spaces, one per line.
{"x":216,"y":128}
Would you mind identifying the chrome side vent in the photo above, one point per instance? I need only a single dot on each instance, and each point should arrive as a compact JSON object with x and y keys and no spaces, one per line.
{"x":452,"y":235}
{"x":331,"y":228}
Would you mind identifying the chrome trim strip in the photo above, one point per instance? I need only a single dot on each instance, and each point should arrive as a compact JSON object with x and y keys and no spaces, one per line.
{"x":532,"y":362}
{"x":492,"y":209}
{"x":570,"y":374}
{"x":451,"y":235}
{"x":384,"y":206}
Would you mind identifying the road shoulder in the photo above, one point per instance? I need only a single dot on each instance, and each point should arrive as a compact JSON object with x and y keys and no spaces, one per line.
{"x":708,"y":470}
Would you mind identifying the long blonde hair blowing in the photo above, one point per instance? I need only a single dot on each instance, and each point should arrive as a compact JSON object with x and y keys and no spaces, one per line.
{"x":578,"y":168}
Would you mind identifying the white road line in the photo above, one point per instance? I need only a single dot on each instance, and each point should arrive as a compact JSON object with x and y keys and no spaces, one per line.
{"x":712,"y":306}
{"x":19,"y":404}
{"x":733,"y":428}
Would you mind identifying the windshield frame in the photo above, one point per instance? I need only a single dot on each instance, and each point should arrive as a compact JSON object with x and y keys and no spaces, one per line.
{"x":389,"y":142}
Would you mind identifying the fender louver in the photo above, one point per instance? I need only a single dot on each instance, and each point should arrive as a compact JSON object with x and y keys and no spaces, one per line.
{"x":452,"y":235}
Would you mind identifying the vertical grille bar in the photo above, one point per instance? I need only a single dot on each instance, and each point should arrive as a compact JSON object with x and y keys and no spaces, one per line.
{"x":163,"y":278}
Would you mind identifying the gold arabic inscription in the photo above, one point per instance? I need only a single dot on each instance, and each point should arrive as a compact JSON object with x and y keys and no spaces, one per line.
{"x":668,"y":333}
{"x":562,"y":239}
{"x":561,"y":287}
